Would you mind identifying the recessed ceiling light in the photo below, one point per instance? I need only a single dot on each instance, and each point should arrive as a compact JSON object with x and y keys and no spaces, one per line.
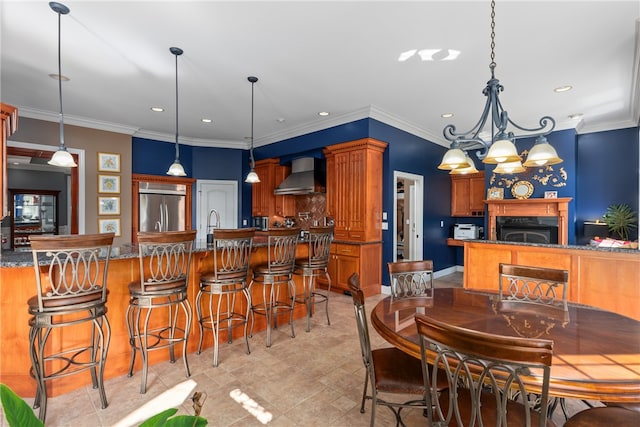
{"x":575,"y":116}
{"x":157,"y":109}
{"x":206,"y":120}
{"x":323,"y":113}
{"x":56,"y":77}
{"x":446,"y":115}
{"x":406,"y":55}
{"x":280,"y":120}
{"x":563,"y":88}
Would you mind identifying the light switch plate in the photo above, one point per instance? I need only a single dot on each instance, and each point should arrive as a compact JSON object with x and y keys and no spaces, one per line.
{"x":385,"y":225}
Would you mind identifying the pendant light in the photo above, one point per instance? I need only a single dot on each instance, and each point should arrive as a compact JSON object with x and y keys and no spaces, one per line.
{"x":252,"y":177}
{"x":464,"y":170}
{"x":176,"y":168}
{"x":61,"y":157}
{"x":500,"y":147}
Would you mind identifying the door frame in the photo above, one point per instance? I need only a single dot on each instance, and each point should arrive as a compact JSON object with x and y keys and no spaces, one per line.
{"x":415,"y":215}
{"x":76,"y":200}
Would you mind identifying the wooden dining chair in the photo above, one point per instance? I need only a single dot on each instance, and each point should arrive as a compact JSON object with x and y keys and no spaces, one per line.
{"x":411,"y":278}
{"x":388,"y":369}
{"x":484,"y":371}
{"x":618,"y":416}
{"x":533,"y":285}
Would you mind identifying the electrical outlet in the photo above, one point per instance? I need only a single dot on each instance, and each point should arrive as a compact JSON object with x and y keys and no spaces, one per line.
{"x":385,"y":225}
{"x":244,"y":222}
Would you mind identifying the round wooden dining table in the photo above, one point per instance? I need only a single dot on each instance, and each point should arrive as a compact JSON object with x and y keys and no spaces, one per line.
{"x":596,"y":353}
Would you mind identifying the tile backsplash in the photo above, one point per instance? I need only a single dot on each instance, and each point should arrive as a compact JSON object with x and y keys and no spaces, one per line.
{"x":311,"y":209}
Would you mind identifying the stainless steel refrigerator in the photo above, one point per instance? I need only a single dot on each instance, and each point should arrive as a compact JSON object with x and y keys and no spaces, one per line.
{"x":162,"y":206}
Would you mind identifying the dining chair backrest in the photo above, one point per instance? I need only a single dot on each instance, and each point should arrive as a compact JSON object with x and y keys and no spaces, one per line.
{"x":535,"y":285}
{"x":361,"y":322}
{"x":232,"y":253}
{"x":281,"y":254}
{"x":483,"y":371}
{"x":71,"y":270}
{"x":319,"y":246}
{"x":165,"y":260}
{"x":411,"y":278}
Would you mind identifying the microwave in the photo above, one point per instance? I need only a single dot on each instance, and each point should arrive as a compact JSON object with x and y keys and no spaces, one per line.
{"x":466,"y":231}
{"x":261,"y":223}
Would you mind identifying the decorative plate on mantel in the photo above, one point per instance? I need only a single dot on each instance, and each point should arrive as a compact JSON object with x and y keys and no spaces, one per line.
{"x":522,"y":189}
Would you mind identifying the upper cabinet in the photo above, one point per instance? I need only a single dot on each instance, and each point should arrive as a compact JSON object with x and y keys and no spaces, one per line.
{"x":354,"y":189}
{"x":467,"y":195}
{"x":9,"y":116}
{"x":263,"y":201}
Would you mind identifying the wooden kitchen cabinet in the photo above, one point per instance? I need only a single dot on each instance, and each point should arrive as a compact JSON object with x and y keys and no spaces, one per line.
{"x":263,"y":201}
{"x":354,"y":201}
{"x":9,"y":116}
{"x":364,"y":259}
{"x":285,"y":205}
{"x":354,"y":189}
{"x":467,"y":195}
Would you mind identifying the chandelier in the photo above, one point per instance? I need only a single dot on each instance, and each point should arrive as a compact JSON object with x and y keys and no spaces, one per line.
{"x":500,"y":148}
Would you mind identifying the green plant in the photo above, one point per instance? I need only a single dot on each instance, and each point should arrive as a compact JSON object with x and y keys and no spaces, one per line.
{"x":19,"y":414}
{"x":16,"y":410}
{"x":620,"y":219}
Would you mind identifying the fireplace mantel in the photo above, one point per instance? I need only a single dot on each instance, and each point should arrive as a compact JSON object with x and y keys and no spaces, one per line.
{"x":531,"y":207}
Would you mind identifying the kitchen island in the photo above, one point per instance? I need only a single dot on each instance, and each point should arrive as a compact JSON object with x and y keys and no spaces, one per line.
{"x":608,"y":278}
{"x":17,"y":286}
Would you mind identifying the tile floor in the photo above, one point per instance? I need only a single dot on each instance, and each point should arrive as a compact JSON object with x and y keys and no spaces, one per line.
{"x":315,"y":379}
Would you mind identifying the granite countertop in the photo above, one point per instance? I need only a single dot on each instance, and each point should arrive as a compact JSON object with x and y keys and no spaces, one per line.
{"x":545,"y":245}
{"x":25,"y":258}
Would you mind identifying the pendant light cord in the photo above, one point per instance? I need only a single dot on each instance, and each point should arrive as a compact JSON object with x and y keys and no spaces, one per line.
{"x":60,"y":82}
{"x":177,"y":150}
{"x":253,"y":162}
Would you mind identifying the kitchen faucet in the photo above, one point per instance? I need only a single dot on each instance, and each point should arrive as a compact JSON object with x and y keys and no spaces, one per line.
{"x":210,"y":235}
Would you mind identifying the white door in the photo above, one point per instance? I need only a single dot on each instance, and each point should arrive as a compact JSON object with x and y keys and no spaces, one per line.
{"x":221,"y":196}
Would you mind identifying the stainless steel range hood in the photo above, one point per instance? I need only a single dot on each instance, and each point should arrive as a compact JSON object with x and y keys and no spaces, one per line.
{"x":307,"y":177}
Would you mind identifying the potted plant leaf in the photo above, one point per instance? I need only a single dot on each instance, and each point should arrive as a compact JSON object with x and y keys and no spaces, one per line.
{"x":620,"y":219}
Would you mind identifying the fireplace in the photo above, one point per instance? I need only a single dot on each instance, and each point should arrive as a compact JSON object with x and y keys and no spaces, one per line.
{"x":527,"y":229}
{"x":550,"y":215}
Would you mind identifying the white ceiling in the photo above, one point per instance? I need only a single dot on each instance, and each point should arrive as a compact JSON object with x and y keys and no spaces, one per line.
{"x":334,"y":56}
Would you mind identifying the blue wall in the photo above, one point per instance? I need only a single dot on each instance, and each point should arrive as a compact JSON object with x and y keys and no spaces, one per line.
{"x":607,"y":167}
{"x":598,"y":169}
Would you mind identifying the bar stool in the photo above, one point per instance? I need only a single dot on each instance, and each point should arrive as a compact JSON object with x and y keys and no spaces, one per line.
{"x":313,"y":266}
{"x":276,"y":279}
{"x":165,"y":260}
{"x":71,"y":293}
{"x":231,"y":255}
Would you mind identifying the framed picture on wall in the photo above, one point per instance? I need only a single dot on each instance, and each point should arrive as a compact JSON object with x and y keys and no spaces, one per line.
{"x":109,"y":205}
{"x":109,"y":226}
{"x":109,"y":184}
{"x":108,"y":162}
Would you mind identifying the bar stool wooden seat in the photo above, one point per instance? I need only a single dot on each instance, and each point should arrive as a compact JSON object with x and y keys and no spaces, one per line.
{"x":231,"y":256}
{"x":165,"y":260}
{"x":312,"y":267}
{"x":71,"y":281}
{"x":276,"y":279}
